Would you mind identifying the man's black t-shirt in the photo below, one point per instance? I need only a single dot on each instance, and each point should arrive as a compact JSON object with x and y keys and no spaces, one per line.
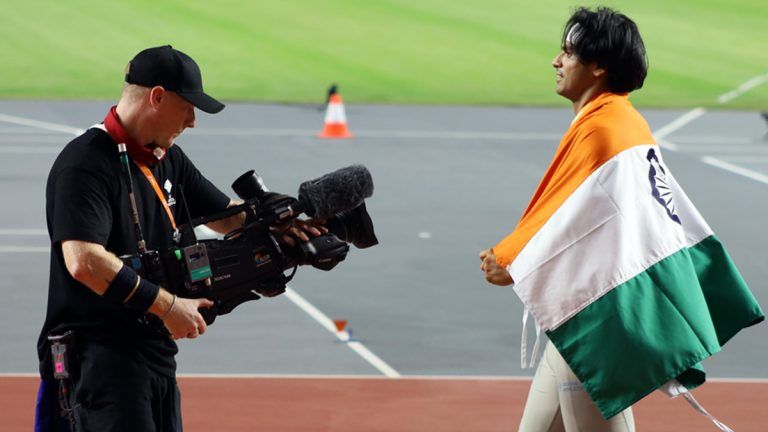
{"x":87,"y":199}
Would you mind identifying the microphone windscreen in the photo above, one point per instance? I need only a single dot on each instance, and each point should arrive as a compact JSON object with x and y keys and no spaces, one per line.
{"x":335,"y":192}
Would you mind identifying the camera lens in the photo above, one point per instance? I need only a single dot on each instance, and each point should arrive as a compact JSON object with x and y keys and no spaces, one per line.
{"x":354,"y":226}
{"x":249,"y":186}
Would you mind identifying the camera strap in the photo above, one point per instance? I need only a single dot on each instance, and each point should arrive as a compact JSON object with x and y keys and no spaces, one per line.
{"x":152,"y":181}
{"x":150,"y":178}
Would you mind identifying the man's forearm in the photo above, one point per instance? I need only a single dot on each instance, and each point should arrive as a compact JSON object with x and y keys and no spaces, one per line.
{"x":90,"y":264}
{"x":95,"y":267}
{"x":229,"y":224}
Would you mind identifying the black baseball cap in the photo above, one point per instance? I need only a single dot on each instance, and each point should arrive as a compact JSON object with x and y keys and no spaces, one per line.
{"x":173,"y":70}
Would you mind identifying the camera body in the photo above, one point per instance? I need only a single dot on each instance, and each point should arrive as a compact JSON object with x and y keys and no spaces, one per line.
{"x":250,"y":262}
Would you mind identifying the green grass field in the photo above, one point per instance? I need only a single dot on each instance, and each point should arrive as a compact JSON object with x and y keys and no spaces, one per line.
{"x":385,"y":51}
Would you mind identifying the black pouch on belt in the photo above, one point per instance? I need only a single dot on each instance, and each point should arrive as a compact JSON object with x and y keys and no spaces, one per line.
{"x":62,"y":356}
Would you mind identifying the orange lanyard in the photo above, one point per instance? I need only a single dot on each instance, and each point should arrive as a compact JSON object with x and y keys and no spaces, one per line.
{"x":151,"y":178}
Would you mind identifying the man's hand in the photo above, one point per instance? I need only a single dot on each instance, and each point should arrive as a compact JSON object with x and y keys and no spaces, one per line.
{"x":184,"y":319}
{"x":300,"y":229}
{"x":494,"y":273}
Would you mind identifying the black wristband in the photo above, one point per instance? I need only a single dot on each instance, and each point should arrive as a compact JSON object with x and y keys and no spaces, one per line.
{"x":145,"y":295}
{"x":122,"y":285}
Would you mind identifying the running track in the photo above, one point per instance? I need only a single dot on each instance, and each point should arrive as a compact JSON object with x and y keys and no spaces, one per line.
{"x":417,"y":302}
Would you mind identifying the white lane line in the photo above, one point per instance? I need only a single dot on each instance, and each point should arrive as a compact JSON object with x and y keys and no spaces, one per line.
{"x":357,"y":377}
{"x":327,"y":376}
{"x":25,"y":131}
{"x":698,"y":112}
{"x":666,"y":144}
{"x":506,"y":136}
{"x":745,"y":159}
{"x":711,"y":139}
{"x":736,"y":149}
{"x":724,"y":380}
{"x":425,"y":377}
{"x":390,"y":134}
{"x":29,"y":150}
{"x":40,"y":124}
{"x":740,"y":380}
{"x":326,"y":322}
{"x":740,"y":90}
{"x":679,"y":122}
{"x":762,"y":178}
{"x":412,"y":377}
{"x":23,"y":232}
{"x":25,"y":249}
{"x":250,"y":132}
{"x":42,"y":138}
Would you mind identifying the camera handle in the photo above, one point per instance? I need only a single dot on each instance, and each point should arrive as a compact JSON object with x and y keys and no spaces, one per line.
{"x":267,"y":289}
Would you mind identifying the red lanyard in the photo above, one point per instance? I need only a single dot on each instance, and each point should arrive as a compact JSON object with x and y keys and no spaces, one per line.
{"x":151,"y":178}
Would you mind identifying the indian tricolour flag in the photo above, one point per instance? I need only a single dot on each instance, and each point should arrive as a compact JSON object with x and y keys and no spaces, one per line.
{"x":615,"y":263}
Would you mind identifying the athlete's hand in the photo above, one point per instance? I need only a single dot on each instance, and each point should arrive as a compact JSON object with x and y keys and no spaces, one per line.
{"x":184,"y":320}
{"x":494,"y":273}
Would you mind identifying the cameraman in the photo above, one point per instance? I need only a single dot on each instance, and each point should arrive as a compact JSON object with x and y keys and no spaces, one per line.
{"x":122,"y":366}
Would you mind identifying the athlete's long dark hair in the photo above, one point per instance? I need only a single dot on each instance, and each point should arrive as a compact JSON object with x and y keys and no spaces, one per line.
{"x":611,"y":40}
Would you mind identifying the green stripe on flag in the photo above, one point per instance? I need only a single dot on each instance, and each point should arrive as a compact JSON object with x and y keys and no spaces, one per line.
{"x":731,"y":303}
{"x":657,"y":326}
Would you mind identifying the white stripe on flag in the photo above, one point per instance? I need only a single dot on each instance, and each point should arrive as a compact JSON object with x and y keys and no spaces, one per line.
{"x":596,"y":240}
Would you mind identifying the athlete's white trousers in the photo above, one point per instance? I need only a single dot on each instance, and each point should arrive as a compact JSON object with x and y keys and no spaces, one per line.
{"x":558,"y":403}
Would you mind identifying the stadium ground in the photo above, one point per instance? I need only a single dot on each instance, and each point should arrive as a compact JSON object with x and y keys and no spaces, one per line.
{"x":450,"y":181}
{"x":392,"y":51}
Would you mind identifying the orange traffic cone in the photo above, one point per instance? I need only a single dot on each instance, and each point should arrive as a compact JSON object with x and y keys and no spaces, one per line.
{"x":335,"y":119}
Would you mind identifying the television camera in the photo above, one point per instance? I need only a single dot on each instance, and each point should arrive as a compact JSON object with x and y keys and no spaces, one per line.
{"x":251,"y":262}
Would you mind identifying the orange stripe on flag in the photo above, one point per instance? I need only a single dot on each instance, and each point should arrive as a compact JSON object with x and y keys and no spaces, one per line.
{"x":603,"y":129}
